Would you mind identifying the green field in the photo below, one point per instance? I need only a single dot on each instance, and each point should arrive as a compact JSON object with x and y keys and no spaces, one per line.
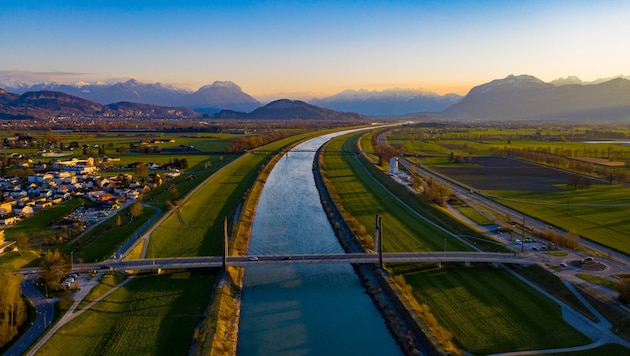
{"x":37,"y":225}
{"x":152,"y":315}
{"x":599,"y":213}
{"x":364,"y":197}
{"x":487,"y":309}
{"x":197,"y":229}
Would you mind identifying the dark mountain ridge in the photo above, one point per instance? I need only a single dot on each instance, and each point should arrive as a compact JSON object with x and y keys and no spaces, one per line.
{"x":46,"y":104}
{"x":525,"y":97}
{"x":285,"y":109}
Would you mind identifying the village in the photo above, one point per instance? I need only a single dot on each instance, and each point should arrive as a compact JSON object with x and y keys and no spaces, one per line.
{"x":22,"y":198}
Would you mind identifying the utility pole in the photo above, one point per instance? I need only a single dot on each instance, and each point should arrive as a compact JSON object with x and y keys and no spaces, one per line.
{"x":523,"y":241}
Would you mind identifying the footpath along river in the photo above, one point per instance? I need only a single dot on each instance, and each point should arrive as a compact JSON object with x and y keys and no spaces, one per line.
{"x":303,"y":309}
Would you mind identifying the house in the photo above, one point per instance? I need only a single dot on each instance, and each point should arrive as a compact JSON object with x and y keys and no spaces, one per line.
{"x":23,"y":210}
{"x":6,"y":246}
{"x":6,"y":208}
{"x":8,"y":220}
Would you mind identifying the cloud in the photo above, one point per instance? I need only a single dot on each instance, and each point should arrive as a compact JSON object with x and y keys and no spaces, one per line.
{"x":41,"y":77}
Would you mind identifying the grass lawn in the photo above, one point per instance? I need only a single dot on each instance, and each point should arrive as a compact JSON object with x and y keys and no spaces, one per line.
{"x":108,"y":281}
{"x":487,"y":311}
{"x":591,"y":278}
{"x":473,"y":215}
{"x":102,"y":241}
{"x":37,"y":225}
{"x":12,"y":261}
{"x":151,"y":315}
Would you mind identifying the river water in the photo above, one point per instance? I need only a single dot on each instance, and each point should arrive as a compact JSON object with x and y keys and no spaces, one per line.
{"x":303,"y":309}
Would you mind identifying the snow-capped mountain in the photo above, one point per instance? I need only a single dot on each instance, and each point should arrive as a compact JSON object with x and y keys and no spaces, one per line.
{"x":212,"y":98}
{"x":387,"y":102}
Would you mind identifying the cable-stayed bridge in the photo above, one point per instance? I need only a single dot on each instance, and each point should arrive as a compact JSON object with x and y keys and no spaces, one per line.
{"x":353,"y":258}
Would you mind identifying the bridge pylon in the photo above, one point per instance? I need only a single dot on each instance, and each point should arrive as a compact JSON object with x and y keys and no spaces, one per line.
{"x":225,"y":241}
{"x":378,"y":240}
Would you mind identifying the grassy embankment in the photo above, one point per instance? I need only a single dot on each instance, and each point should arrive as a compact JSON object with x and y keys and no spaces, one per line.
{"x":220,"y":196}
{"x":152,"y":315}
{"x":493,"y":318}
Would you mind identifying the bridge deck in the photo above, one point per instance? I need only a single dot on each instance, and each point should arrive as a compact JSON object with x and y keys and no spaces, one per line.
{"x":354,"y":258}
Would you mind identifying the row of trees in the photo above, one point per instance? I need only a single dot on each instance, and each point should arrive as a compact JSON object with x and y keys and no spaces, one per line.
{"x":619,"y":175}
{"x":13,"y":311}
{"x":244,"y":143}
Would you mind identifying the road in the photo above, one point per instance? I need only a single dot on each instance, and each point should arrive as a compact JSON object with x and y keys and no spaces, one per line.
{"x":45,"y":313}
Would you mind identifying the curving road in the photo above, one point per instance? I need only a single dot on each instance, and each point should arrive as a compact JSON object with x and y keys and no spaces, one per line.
{"x":45,"y":313}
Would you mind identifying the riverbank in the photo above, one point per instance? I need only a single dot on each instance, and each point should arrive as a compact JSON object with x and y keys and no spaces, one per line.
{"x":218,"y":334}
{"x":410,"y":332}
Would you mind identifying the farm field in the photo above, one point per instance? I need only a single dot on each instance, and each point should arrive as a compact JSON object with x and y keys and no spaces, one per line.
{"x":363,"y":198}
{"x":488,"y":311}
{"x":151,"y":315}
{"x":598,"y":213}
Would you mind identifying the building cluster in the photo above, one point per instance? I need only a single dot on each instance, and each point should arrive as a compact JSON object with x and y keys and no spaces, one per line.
{"x":77,"y":177}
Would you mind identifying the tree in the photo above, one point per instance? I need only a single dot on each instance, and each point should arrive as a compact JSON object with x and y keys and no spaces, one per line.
{"x":141,"y":169}
{"x":136,"y":210}
{"x":22,"y":240}
{"x":13,"y":310}
{"x":55,"y":266}
{"x":623,"y":287}
{"x":173,"y":193}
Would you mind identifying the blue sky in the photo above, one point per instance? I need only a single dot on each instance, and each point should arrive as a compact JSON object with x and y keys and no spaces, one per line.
{"x":315,"y":47}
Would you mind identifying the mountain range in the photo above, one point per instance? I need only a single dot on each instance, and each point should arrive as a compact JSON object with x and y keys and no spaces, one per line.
{"x":209,"y":98}
{"x":516,"y":97}
{"x":387,"y":102}
{"x":45,"y":104}
{"x":525,"y":97}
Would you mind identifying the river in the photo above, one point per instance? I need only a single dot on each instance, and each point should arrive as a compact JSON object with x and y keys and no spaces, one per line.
{"x":303,"y":309}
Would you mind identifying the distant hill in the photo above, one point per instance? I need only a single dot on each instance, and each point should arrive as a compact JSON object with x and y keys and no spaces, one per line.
{"x":209,"y":98}
{"x":387,"y":102}
{"x":219,"y":95}
{"x":45,"y":104}
{"x":525,"y":97}
{"x":285,"y":109}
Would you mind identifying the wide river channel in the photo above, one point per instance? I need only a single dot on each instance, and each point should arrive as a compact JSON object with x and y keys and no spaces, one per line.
{"x":303,"y":309}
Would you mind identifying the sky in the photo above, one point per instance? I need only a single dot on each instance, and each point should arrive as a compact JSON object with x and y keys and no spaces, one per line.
{"x":314,"y":48}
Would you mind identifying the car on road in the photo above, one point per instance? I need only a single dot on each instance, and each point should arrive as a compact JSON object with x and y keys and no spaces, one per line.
{"x":253,"y":258}
{"x":563,"y":265}
{"x":287,"y":258}
{"x":586,"y":260}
